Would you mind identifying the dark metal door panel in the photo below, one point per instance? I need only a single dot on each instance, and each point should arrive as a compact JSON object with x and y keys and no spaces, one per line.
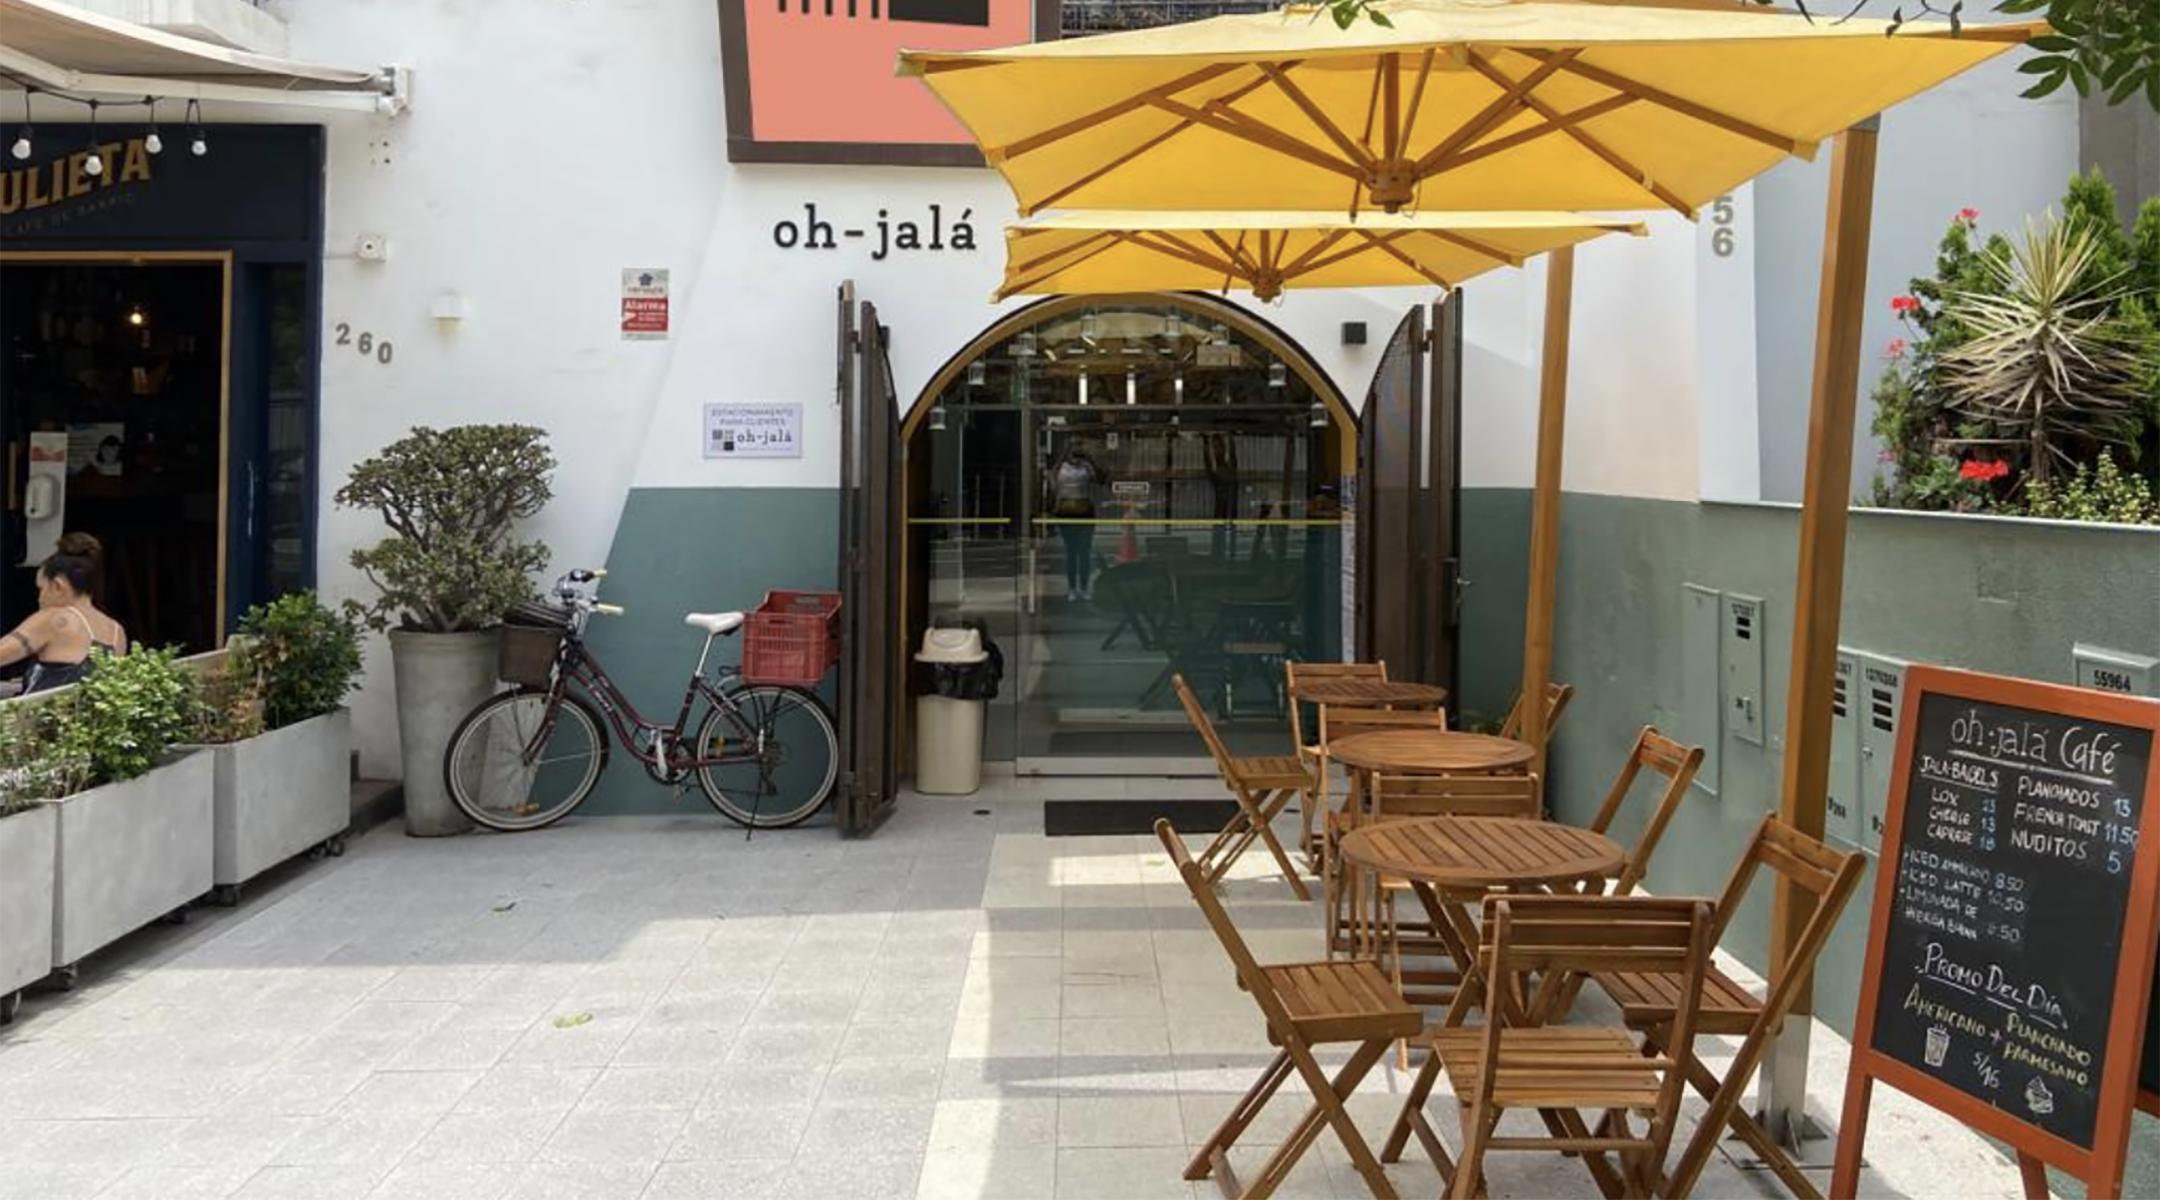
{"x":1390,"y":460}
{"x":1442,"y":524}
{"x":869,"y":569}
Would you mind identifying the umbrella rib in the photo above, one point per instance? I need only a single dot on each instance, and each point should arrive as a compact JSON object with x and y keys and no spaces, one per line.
{"x":1687,"y":108}
{"x":1057,"y":133}
{"x":1382,"y":245}
{"x":1640,"y":177}
{"x":1052,"y":199}
{"x":1113,"y":237}
{"x":1319,"y":246}
{"x":1391,"y":83}
{"x":1090,"y":240}
{"x":1380,"y":78}
{"x":1370,"y":240}
{"x":1510,"y":101}
{"x":1475,"y":246}
{"x":1280,"y":77}
{"x":1591,"y":113}
{"x":1177,"y":247}
{"x":1237,"y":125}
{"x":1235,"y":254}
{"x":1417,"y":97}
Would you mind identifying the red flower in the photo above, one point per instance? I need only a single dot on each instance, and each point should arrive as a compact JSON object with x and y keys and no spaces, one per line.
{"x":1968,"y":215}
{"x":1895,"y":350}
{"x":1904,"y":304}
{"x":1981,"y":472}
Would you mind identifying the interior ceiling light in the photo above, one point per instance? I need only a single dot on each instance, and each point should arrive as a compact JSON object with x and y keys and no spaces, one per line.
{"x":937,"y":418}
{"x":1171,"y":326}
{"x":1132,"y":388}
{"x":1087,"y":328}
{"x":977,"y":372}
{"x":153,"y":143}
{"x":1024,"y":345}
{"x":1320,"y":418}
{"x":1220,"y":336}
{"x":1278,"y":375}
{"x":1083,"y":387}
{"x":94,"y":165}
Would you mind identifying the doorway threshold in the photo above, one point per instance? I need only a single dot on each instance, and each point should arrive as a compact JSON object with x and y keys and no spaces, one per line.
{"x":1183,"y":766}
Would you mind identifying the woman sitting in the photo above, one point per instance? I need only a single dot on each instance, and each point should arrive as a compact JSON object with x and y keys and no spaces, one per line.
{"x":59,"y":637}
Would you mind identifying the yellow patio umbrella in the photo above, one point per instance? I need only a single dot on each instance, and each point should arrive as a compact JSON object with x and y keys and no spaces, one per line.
{"x":1457,"y":104}
{"x":1265,"y":252}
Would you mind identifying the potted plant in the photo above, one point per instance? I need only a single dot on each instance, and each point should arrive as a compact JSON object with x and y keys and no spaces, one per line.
{"x":31,"y":772}
{"x":451,"y":567}
{"x":134,"y":836}
{"x":280,"y":737}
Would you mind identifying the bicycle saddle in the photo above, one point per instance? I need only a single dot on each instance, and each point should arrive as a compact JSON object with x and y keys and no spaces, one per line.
{"x":716,"y":624}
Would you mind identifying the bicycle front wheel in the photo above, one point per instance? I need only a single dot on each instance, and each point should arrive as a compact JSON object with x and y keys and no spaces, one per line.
{"x":790,"y":756}
{"x":513,"y":765}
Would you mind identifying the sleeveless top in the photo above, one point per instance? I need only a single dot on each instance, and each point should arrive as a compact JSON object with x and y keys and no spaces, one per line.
{"x":46,"y":676}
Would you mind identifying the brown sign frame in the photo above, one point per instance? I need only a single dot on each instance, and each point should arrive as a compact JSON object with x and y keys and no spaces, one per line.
{"x":2101,"y":1168}
{"x":744,"y":147}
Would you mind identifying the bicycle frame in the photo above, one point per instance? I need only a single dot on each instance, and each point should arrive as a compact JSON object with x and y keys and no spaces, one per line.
{"x":575,"y":665}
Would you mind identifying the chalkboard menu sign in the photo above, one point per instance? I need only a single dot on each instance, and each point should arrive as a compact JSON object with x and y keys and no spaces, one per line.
{"x":2011,"y":954}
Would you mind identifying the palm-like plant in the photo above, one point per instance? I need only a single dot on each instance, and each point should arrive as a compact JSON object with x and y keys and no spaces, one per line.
{"x":2048,"y":365}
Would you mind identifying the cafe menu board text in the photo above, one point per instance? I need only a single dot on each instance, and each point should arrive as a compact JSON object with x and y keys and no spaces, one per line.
{"x":2011,"y":947}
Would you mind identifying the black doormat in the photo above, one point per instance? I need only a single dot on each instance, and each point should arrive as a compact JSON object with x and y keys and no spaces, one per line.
{"x":1097,"y":818}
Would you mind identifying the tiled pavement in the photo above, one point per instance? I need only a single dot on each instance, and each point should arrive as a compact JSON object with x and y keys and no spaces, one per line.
{"x":655,"y":1007}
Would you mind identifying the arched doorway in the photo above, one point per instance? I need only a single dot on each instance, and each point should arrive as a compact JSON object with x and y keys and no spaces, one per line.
{"x":1121,"y":489}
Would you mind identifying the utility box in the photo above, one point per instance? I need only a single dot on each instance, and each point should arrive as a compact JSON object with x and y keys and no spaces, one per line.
{"x":1843,"y":820}
{"x":2106,"y":670}
{"x":1882,"y":697}
{"x":1701,"y":679}
{"x":1741,"y":648}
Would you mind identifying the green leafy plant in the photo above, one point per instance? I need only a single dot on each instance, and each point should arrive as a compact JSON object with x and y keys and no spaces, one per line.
{"x":451,"y":498}
{"x":2048,"y":364}
{"x":2102,"y":492}
{"x":230,"y":700}
{"x":32,"y":766}
{"x":124,"y":715}
{"x":306,"y":655}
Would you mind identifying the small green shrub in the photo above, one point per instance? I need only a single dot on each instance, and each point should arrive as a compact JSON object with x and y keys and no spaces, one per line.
{"x":2102,"y":492}
{"x":125,"y":714}
{"x":230,"y":707}
{"x":32,"y":767}
{"x":306,"y":655}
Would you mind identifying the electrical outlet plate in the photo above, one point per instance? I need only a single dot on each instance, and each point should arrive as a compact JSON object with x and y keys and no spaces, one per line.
{"x":1880,"y":704}
{"x":1843,"y":819}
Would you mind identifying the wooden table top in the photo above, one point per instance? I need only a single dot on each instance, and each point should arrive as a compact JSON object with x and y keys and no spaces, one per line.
{"x":1483,"y":852}
{"x":1429,"y":752}
{"x":1370,"y":693}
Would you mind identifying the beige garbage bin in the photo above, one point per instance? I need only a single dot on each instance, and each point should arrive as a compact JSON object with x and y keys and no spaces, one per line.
{"x":949,"y":731}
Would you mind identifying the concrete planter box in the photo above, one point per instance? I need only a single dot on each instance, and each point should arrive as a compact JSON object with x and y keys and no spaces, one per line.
{"x":129,"y":853}
{"x":279,"y":794}
{"x":26,"y":901}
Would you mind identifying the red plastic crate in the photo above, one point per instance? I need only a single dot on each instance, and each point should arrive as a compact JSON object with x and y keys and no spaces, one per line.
{"x":792,"y":638}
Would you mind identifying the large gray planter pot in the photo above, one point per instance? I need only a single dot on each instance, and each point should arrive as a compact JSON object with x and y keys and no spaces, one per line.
{"x":129,"y":853}
{"x":281,"y":793}
{"x":440,"y":678}
{"x":26,"y":901}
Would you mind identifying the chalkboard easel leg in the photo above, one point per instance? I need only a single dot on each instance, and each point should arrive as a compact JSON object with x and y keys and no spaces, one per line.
{"x":1852,"y":1135}
{"x":2033,"y":1173}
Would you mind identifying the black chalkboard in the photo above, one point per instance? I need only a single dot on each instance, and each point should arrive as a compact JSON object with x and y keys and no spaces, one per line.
{"x":2002,"y":944}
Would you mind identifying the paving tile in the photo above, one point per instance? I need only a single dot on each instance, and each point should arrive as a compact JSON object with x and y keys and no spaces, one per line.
{"x":43,"y":1181}
{"x":614,"y":1137}
{"x":433,"y":1092}
{"x":645,"y":1089}
{"x":996,"y":1121}
{"x":355,"y":1140}
{"x":882,"y":1081}
{"x":487,"y":1137}
{"x":648,"y":1046}
{"x":528,"y":1089}
{"x":1120,"y":1121}
{"x":345,"y":1181}
{"x":751,"y":1130}
{"x":228,"y":1140}
{"x":857,"y":1176}
{"x":447,"y":1181}
{"x":180,"y":1183}
{"x":581,"y":1181}
{"x":1150,"y":1173}
{"x":1004,"y":1172}
{"x":1004,"y":1037}
{"x":896,"y":1039}
{"x":876,"y":1129}
{"x":740,"y":1179}
{"x":1101,"y":1036}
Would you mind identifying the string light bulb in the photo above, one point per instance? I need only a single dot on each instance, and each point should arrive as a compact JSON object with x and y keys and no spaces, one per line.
{"x":94,"y":165}
{"x":153,"y":143}
{"x":200,"y":144}
{"x":22,"y":148}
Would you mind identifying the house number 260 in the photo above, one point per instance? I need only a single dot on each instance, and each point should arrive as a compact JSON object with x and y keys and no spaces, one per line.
{"x":366,"y":344}
{"x":1723,"y":237}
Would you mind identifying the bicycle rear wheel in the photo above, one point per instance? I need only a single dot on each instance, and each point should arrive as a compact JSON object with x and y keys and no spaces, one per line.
{"x":505,"y":774}
{"x":793,"y":771}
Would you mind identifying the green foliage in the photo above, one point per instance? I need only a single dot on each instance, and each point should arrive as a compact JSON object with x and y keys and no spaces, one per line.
{"x":306,"y":655}
{"x":1345,"y":13}
{"x":32,"y":766}
{"x":2048,"y":363}
{"x":229,"y":701}
{"x":2101,"y":492}
{"x":2101,"y":47}
{"x":451,"y":498}
{"x":126,"y":713}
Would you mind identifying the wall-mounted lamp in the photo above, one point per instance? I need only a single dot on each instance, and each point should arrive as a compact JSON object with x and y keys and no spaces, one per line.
{"x":449,"y":308}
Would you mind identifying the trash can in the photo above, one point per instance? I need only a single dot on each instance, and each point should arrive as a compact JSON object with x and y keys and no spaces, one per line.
{"x":957,"y":677}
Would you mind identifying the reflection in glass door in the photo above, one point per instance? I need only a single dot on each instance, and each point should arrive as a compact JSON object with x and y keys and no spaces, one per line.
{"x":1121,"y":495}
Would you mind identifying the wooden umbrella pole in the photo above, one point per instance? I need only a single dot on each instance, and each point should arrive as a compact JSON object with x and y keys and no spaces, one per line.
{"x":1820,"y":587}
{"x":1545,"y":501}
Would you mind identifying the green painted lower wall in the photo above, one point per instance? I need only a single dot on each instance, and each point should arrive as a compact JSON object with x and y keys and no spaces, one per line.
{"x":2008,"y":597}
{"x":680,"y":550}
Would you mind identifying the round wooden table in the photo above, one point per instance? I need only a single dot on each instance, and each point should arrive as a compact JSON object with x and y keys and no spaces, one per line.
{"x":1371,"y":693}
{"x":1450,"y":862}
{"x":1429,"y":752}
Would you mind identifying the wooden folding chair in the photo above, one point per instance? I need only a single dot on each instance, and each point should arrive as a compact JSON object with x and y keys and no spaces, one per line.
{"x":1557,"y":696}
{"x":1660,"y":755}
{"x":1263,"y":787}
{"x":1296,"y":675}
{"x":1306,"y":1005}
{"x":1520,"y":1059}
{"x":1651,"y":1002}
{"x":1341,"y":721}
{"x":1371,"y":904}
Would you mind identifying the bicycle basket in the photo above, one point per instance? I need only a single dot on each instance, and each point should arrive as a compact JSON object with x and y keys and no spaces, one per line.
{"x":792,"y":638}
{"x":532,"y":634}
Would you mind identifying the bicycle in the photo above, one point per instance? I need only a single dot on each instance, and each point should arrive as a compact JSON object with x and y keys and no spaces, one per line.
{"x":526,"y":758}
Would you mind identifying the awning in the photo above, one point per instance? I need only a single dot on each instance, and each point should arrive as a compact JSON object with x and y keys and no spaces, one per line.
{"x":57,"y":47}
